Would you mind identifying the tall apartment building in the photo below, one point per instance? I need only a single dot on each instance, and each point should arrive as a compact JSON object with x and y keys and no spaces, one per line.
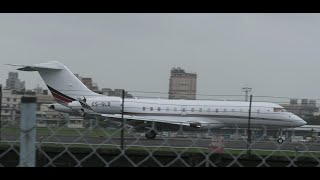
{"x":182,"y":85}
{"x":13,"y":82}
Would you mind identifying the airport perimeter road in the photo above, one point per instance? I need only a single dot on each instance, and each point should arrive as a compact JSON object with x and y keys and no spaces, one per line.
{"x":173,"y":142}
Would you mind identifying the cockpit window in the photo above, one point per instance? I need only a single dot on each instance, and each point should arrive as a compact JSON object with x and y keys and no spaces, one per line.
{"x":279,"y":110}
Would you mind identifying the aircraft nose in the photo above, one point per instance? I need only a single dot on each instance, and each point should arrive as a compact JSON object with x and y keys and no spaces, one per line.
{"x":300,"y":122}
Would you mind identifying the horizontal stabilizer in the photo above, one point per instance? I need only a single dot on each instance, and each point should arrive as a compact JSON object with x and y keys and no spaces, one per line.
{"x":36,"y":67}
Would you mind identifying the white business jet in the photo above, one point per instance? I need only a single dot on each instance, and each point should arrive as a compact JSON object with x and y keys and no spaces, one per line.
{"x":72,"y":95}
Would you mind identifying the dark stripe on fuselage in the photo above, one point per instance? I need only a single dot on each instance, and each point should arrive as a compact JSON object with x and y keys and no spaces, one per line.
{"x":60,"y":96}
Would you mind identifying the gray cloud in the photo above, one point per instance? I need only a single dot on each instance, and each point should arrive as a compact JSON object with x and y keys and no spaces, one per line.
{"x":275,"y":54}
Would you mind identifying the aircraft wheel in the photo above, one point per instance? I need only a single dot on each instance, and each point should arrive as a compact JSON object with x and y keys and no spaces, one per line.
{"x":280,"y":140}
{"x":151,"y":134}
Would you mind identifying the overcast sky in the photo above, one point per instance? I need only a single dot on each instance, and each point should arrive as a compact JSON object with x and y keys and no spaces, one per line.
{"x":274,"y":54}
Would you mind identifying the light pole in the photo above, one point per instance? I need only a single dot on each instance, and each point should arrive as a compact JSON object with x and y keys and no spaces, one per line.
{"x":249,"y":129}
{"x":246,"y":90}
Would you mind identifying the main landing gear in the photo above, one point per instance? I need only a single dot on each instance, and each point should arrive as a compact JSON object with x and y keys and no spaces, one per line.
{"x":151,"y":131}
{"x":151,"y":134}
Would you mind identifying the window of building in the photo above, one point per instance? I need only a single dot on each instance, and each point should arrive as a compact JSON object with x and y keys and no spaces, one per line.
{"x":208,"y":110}
{"x":151,"y":108}
{"x":159,"y":109}
{"x":200,"y":109}
{"x":183,"y":109}
{"x":6,"y":111}
{"x":14,"y":99}
{"x":225,"y":110}
{"x":144,"y":108}
{"x":192,"y":109}
{"x":8,"y":99}
{"x":167,"y":109}
{"x":232,"y":110}
{"x":258,"y":111}
{"x":175,"y":109}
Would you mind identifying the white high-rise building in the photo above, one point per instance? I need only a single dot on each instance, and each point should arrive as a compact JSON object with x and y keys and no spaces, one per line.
{"x":13,"y":82}
{"x":182,"y":85}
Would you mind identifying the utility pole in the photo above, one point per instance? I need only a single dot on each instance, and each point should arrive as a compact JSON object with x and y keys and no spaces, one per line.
{"x":122,"y":122}
{"x":246,"y":90}
{"x":249,"y":129}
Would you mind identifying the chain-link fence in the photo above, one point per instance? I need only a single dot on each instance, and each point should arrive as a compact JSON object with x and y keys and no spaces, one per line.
{"x":75,"y":141}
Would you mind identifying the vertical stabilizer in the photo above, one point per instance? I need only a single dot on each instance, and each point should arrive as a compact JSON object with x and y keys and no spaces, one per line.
{"x":62,"y":83}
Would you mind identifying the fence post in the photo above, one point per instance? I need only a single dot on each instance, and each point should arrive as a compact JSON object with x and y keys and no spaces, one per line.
{"x":122,"y":122}
{"x":28,"y":132}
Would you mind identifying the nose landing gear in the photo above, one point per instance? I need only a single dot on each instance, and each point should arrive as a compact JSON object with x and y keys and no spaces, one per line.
{"x":280,"y":136}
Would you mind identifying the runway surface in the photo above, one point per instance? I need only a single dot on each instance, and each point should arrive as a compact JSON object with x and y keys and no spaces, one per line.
{"x":170,"y":142}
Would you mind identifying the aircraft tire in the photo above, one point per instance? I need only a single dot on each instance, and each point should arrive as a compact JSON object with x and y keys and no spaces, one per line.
{"x":280,"y":140}
{"x":151,"y":134}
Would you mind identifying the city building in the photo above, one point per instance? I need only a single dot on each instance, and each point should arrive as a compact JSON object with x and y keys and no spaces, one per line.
{"x":10,"y":107}
{"x":87,"y":81}
{"x":13,"y":82}
{"x":115,"y":92}
{"x":306,"y":108}
{"x":182,"y":85}
{"x":10,"y":111}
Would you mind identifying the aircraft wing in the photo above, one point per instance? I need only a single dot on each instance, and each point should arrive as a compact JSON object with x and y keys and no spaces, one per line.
{"x":196,"y":122}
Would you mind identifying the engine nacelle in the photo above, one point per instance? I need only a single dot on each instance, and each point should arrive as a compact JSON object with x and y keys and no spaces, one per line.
{"x":60,"y":108}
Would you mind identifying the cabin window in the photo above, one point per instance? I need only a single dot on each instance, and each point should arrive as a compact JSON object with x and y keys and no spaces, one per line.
{"x":167,"y":109}
{"x":144,"y":108}
{"x":192,"y":109}
{"x":200,"y":109}
{"x":151,"y":108}
{"x":159,"y":108}
{"x":279,"y":110}
{"x":208,"y":110}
